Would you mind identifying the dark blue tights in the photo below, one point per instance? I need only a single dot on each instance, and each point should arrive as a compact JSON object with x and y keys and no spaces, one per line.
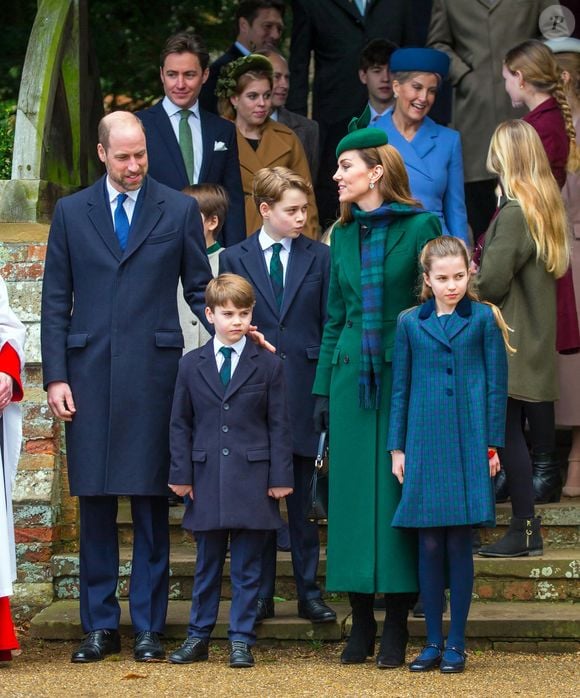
{"x":445,"y":553}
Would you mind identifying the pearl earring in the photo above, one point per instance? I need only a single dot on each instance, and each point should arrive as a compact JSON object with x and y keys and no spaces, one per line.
{"x":371,"y":185}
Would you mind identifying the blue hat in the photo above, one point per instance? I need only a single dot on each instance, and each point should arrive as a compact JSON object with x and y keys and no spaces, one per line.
{"x":423,"y":60}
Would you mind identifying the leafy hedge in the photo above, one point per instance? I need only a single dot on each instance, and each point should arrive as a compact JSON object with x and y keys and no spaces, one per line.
{"x":7,"y":120}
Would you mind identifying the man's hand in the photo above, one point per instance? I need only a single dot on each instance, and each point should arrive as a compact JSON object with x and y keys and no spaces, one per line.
{"x":6,"y":385}
{"x":259,"y":339}
{"x":279,"y":492}
{"x":60,"y":400}
{"x":182,"y":490}
{"x":398,"y":458}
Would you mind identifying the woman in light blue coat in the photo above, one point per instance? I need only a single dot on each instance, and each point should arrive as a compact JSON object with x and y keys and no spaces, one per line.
{"x":432,"y":153}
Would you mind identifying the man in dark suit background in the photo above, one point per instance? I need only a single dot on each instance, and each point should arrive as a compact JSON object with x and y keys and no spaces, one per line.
{"x":336,"y":31}
{"x":194,"y":148}
{"x":111,"y":343}
{"x":306,"y":129}
{"x":259,"y":25}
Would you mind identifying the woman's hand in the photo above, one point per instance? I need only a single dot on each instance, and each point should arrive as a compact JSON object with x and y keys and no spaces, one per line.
{"x":398,"y":458}
{"x":6,"y":385}
{"x":258,"y":338}
{"x":494,"y":465}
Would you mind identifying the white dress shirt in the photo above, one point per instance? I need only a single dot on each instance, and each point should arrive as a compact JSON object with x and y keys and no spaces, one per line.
{"x":266,"y":243}
{"x":238,"y":347}
{"x":128,"y":204}
{"x":194,"y":122}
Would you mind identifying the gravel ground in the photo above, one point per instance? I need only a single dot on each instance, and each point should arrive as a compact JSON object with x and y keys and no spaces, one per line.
{"x":44,"y":669}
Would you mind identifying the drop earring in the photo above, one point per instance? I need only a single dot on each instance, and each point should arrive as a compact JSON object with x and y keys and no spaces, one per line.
{"x":371,"y":185}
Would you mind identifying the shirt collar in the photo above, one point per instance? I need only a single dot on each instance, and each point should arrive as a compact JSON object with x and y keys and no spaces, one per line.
{"x":266,"y":241}
{"x":242,"y":49}
{"x":112,"y":193}
{"x":171,"y":109}
{"x":274,"y":115}
{"x":238,"y":347}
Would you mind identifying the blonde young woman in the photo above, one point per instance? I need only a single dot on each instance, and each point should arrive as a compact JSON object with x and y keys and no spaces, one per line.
{"x":244,"y":91}
{"x":526,"y":250}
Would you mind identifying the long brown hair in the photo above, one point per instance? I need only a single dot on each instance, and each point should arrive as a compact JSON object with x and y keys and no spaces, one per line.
{"x":393,"y":185}
{"x":538,"y":66}
{"x":449,"y":246}
{"x":517,"y":156}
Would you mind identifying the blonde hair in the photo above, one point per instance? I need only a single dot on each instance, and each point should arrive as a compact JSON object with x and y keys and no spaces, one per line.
{"x":225,"y":107}
{"x":229,"y":287}
{"x":393,"y":185}
{"x":538,"y":66}
{"x":449,"y":246}
{"x":517,"y":156}
{"x":270,"y":183}
{"x":570,"y":62}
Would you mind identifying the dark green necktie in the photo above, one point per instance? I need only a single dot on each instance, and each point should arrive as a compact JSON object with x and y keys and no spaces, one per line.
{"x":277,"y":273}
{"x":226,"y":369}
{"x":186,"y":143}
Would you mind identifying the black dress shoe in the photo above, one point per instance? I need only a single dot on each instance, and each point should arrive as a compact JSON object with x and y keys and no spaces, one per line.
{"x":454,"y":666}
{"x":148,"y":647}
{"x":316,"y":611}
{"x":97,"y":645}
{"x":265,"y":610}
{"x":194,"y":649}
{"x":241,"y":655}
{"x":419,"y":664}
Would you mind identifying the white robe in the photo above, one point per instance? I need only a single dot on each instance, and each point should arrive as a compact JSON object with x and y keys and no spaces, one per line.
{"x":13,"y":332}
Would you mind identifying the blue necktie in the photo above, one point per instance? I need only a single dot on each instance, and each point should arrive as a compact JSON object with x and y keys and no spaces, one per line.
{"x":121,"y":222}
{"x":226,"y":369}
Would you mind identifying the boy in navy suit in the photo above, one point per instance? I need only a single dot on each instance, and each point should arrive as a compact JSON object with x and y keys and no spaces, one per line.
{"x":290,"y":275}
{"x":231,"y":455}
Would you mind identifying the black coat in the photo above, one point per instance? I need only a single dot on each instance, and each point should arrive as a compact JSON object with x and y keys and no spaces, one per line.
{"x":119,"y":343}
{"x":231,"y":443}
{"x":207,"y":98}
{"x":336,"y":32}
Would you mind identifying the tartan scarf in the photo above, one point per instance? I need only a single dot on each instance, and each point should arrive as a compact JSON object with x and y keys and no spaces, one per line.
{"x":374,"y":230}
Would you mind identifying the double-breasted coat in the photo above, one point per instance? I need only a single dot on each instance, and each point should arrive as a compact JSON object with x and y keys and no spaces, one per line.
{"x":110,"y":329}
{"x":365,"y":554}
{"x":476,"y":34}
{"x":295,"y":329}
{"x":231,"y":443}
{"x":448,"y":405}
{"x":515,"y":280}
{"x":279,"y":145}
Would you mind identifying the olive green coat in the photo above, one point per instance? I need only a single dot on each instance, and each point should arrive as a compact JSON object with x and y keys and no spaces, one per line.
{"x":513,"y":279}
{"x":364,"y":553}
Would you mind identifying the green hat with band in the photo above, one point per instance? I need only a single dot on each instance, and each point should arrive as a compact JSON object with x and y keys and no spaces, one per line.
{"x":362,"y":138}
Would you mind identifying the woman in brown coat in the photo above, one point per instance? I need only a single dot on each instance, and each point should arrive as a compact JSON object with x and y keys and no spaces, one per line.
{"x":244,"y":90}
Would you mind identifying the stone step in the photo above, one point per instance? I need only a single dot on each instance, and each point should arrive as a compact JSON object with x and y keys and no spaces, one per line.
{"x":560,"y":524}
{"x":551,"y":577}
{"x":532,"y":625}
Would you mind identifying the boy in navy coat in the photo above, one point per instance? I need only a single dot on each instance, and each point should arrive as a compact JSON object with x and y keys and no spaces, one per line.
{"x":231,"y":455}
{"x":290,"y":275}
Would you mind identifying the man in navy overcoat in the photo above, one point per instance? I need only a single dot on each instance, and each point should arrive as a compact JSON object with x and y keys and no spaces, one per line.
{"x":295,"y":329}
{"x":111,"y":343}
{"x":184,"y":69}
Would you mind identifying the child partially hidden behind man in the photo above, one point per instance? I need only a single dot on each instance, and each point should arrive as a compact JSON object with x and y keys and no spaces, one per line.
{"x":231,"y":457}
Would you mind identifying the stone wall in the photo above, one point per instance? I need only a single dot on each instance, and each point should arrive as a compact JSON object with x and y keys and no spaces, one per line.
{"x":45,"y":516}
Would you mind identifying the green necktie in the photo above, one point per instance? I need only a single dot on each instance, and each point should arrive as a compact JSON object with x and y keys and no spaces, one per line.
{"x":226,"y":369}
{"x":277,"y":273}
{"x":186,"y":143}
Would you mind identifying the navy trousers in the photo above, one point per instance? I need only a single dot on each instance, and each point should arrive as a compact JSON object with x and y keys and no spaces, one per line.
{"x":304,"y":540}
{"x":245,"y":553}
{"x":99,"y":563}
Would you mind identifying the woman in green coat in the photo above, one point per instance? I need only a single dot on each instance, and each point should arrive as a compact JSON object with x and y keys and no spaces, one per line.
{"x":374,"y":273}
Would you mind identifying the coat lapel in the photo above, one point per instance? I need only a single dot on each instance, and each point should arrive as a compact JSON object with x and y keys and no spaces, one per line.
{"x":207,"y":368}
{"x":208,"y":140}
{"x":148,"y":211}
{"x":99,"y":213}
{"x":245,"y":368}
{"x":167,"y":135}
{"x":253,"y":262}
{"x":350,"y":7}
{"x":413,"y":153}
{"x":456,"y":323}
{"x":299,"y":263}
{"x":351,"y":257}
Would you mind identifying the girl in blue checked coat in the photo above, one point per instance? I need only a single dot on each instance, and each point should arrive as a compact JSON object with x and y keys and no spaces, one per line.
{"x":447,"y":419}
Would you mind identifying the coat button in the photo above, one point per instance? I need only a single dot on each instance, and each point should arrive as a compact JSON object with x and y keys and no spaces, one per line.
{"x":225,"y":451}
{"x":225,"y":428}
{"x":448,"y":350}
{"x":282,"y":328}
{"x":226,"y":406}
{"x":349,"y":323}
{"x":346,"y":359}
{"x":449,"y":371}
{"x":449,"y":392}
{"x":194,"y":322}
{"x":282,"y":355}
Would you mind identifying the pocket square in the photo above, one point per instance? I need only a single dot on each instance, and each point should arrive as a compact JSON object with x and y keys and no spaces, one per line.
{"x":219,"y":145}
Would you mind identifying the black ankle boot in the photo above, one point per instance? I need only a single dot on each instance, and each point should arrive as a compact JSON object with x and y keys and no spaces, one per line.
{"x":361,"y":643}
{"x":395,"y":633}
{"x":523,"y":538}
{"x":502,"y":492}
{"x":547,"y":477}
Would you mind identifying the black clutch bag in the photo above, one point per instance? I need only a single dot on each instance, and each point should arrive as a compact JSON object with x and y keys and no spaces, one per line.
{"x":318,"y":499}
